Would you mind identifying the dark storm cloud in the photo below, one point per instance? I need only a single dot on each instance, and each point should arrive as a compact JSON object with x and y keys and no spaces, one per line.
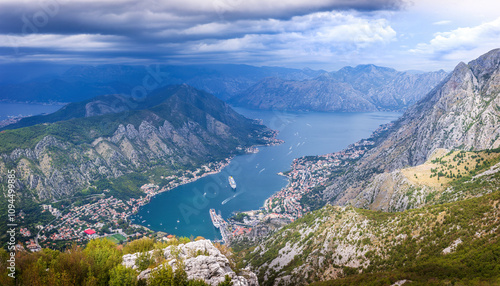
{"x":163,"y":29}
{"x":138,"y":17}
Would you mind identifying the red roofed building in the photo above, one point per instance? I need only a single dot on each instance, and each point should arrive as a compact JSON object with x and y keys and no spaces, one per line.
{"x":90,"y":232}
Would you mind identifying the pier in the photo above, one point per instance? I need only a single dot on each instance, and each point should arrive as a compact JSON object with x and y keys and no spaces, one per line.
{"x":221,"y":224}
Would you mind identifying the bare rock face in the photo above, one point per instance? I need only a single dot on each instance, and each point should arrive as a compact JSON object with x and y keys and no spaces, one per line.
{"x":60,"y":168}
{"x":109,"y":104}
{"x":462,"y":112}
{"x":202,"y":260}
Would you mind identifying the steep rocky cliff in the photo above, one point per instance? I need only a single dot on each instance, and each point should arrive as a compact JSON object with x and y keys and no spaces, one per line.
{"x":363,"y":88}
{"x":175,"y":128}
{"x":462,"y":112}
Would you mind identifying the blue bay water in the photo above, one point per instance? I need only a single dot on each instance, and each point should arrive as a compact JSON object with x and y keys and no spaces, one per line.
{"x":25,"y":109}
{"x":184,"y":211}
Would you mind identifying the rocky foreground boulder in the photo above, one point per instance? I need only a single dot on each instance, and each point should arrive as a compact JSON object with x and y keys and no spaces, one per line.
{"x":201,"y":259}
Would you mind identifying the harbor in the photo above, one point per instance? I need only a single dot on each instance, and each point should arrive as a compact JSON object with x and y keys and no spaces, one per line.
{"x":221,"y":224}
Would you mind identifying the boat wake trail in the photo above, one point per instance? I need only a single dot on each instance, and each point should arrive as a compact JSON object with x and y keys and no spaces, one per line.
{"x":230,"y":198}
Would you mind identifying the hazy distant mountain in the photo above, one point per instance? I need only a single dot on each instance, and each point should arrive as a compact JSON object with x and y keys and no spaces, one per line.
{"x":323,"y":93}
{"x":363,"y":88}
{"x":77,"y":83}
{"x":110,"y":137}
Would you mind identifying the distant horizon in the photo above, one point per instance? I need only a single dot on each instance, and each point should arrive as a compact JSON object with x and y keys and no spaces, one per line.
{"x":62,"y":68}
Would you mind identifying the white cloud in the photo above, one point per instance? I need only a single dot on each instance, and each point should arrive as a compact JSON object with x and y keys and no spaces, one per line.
{"x":324,"y":31}
{"x":79,"y":42}
{"x":443,"y":22}
{"x":455,"y":44}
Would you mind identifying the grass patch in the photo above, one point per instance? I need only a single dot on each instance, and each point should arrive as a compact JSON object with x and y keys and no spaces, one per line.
{"x":116,"y":238}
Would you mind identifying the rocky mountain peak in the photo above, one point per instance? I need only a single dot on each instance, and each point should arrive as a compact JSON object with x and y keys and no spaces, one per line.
{"x":325,"y":77}
{"x":486,"y":64}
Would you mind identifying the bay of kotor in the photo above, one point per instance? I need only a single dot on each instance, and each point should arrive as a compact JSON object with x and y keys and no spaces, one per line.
{"x":184,"y":211}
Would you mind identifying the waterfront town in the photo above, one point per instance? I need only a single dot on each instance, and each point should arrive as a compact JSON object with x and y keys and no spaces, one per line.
{"x":106,"y":216}
{"x":310,"y":172}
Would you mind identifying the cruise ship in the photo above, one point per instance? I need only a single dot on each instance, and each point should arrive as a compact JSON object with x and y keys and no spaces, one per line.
{"x":232,"y":182}
{"x":215,"y":218}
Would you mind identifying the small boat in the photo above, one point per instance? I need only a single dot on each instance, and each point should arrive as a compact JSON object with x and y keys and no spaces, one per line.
{"x":232,"y":182}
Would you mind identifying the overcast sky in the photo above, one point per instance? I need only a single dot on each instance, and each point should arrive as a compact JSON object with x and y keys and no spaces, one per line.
{"x":328,"y":34}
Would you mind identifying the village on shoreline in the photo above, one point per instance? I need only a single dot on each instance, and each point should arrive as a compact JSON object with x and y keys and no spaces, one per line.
{"x":106,"y":217}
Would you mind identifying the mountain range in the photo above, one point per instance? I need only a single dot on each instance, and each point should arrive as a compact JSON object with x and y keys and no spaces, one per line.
{"x":76,"y":83}
{"x":359,"y":89}
{"x":461,"y":113}
{"x":362,"y":88}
